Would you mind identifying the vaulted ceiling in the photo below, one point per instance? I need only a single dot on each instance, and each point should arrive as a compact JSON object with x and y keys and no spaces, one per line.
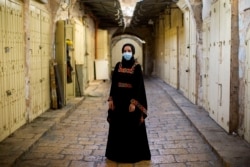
{"x":109,"y":13}
{"x":147,"y":11}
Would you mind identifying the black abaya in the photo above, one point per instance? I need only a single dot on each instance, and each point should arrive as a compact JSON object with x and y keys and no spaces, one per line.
{"x":127,"y":138}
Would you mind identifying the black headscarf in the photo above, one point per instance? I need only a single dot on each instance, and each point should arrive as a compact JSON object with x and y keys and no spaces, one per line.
{"x":128,"y":63}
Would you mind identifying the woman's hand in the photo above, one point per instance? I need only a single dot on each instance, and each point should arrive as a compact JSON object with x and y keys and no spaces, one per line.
{"x":111,"y":105}
{"x":131,"y":108}
{"x":141,"y":120}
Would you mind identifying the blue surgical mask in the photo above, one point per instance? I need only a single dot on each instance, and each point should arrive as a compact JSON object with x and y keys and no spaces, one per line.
{"x":127,"y":55}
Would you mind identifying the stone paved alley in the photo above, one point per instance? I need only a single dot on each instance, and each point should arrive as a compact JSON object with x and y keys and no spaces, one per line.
{"x":180,"y":134}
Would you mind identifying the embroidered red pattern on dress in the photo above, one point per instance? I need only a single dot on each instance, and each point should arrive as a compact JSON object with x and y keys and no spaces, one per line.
{"x":126,"y":70}
{"x":124,"y":85}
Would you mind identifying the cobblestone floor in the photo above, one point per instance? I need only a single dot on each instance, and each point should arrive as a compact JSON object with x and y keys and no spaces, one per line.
{"x":79,"y":140}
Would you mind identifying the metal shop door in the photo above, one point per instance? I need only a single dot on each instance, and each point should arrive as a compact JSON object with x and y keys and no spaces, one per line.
{"x":247,"y":95}
{"x":181,"y":64}
{"x":65,"y":59}
{"x":184,"y":58}
{"x":219,"y":63}
{"x":12,"y":67}
{"x":39,"y":61}
{"x":167,"y":56}
{"x":188,"y":61}
{"x":224,"y":64}
{"x":161,"y":45}
{"x":192,"y":96}
{"x":213,"y":62}
{"x":173,"y":57}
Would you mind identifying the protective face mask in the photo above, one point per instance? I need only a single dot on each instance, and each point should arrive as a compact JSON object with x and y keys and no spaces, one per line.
{"x":127,"y":55}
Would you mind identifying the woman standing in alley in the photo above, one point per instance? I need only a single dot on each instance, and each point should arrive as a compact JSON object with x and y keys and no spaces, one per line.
{"x":127,"y":138}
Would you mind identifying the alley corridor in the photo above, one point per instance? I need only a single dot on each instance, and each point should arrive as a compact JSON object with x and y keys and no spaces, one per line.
{"x":79,"y":140}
